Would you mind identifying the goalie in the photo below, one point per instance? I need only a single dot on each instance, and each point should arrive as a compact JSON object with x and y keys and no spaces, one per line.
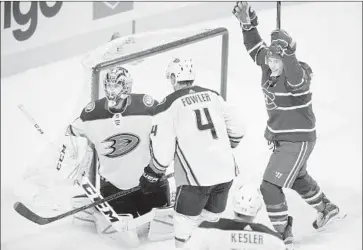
{"x":119,"y":125}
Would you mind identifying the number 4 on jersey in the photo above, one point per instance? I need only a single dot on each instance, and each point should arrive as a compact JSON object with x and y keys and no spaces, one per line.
{"x":208,"y":125}
{"x":154,"y":129}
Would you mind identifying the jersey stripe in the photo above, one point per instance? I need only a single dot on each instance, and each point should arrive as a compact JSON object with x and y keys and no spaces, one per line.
{"x":185,"y":165}
{"x":277,"y":131}
{"x":156,"y":166}
{"x":297,"y":166}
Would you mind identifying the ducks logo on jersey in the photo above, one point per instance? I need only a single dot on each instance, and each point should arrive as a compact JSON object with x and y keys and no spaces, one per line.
{"x":120,"y":144}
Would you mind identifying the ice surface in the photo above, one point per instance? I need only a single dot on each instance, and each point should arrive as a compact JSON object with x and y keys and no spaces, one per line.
{"x":329,"y":38}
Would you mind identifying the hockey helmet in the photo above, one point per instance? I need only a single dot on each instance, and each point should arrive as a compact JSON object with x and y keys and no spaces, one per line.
{"x":182,"y":69}
{"x":247,"y":201}
{"x":117,"y":84}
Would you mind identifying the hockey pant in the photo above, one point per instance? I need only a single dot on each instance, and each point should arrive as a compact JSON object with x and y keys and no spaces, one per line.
{"x":195,"y":204}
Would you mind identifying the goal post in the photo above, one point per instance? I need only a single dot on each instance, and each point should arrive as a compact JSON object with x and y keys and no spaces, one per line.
{"x":133,"y":49}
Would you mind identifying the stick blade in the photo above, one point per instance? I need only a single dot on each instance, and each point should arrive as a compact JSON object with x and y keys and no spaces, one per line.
{"x":30,"y":215}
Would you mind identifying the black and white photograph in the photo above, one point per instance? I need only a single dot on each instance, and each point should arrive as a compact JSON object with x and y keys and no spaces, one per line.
{"x":191,"y":125}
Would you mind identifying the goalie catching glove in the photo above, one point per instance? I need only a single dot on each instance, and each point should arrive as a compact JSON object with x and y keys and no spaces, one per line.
{"x":150,"y":181}
{"x":245,"y":15}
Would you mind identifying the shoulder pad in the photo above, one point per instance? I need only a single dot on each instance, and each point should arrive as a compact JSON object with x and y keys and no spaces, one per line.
{"x":201,"y":89}
{"x":171,"y":98}
{"x":148,"y":100}
{"x":141,"y":104}
{"x":307,"y":69}
{"x":95,"y":110}
{"x":90,"y":107}
{"x":166,"y":102}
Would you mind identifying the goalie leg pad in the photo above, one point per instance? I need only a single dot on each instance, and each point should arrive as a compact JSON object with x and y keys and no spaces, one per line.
{"x":85,"y":217}
{"x":162,"y":226}
{"x":105,"y":230}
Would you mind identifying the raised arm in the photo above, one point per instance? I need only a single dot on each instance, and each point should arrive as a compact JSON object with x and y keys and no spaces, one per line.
{"x":298,"y":74}
{"x":253,"y":42}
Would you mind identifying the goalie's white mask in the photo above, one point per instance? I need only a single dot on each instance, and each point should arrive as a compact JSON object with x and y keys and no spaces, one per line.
{"x":181,"y":69}
{"x":247,"y":202}
{"x":117,"y":85}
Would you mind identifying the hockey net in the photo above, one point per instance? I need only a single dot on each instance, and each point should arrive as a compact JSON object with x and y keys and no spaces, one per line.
{"x":146,"y":56}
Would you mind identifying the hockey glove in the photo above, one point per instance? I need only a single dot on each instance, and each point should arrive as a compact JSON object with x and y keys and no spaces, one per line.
{"x":282,"y":43}
{"x":245,"y":15}
{"x":149,"y":181}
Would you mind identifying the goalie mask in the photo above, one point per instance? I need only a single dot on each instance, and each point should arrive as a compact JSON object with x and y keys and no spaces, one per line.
{"x":247,"y":202}
{"x":117,"y":85}
{"x":182,"y":69}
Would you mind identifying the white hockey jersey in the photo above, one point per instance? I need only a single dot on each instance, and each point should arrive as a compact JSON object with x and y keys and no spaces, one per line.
{"x":121,"y":139}
{"x":194,"y":127}
{"x":228,"y":234}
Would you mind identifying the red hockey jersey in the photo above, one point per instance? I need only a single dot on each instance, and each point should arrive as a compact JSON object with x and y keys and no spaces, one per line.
{"x":288,"y":98}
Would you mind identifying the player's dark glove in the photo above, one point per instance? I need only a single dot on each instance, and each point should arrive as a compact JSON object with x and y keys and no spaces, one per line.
{"x":282,"y":43}
{"x":245,"y":15}
{"x":149,"y":181}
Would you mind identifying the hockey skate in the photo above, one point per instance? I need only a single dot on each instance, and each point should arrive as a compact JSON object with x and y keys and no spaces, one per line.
{"x":329,"y":214}
{"x":287,"y":235}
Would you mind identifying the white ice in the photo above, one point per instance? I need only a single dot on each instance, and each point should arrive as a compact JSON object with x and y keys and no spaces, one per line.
{"x":329,"y":38}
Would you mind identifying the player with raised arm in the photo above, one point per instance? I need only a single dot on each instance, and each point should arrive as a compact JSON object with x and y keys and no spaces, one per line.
{"x":196,"y":128}
{"x":290,"y":127}
{"x":119,"y":126}
{"x":241,"y":232}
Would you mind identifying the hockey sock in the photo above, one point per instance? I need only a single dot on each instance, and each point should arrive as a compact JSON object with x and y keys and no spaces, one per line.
{"x":276,"y":205}
{"x":184,"y":226}
{"x":310,"y":191}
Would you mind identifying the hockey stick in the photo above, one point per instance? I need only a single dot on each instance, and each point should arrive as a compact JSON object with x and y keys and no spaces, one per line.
{"x":30,"y":215}
{"x":34,"y":123}
{"x":105,"y":209}
{"x":41,"y":131}
{"x":278,"y":15}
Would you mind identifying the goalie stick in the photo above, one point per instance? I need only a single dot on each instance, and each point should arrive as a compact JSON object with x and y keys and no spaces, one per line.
{"x":105,"y":209}
{"x":34,"y":123}
{"x":57,"y":150}
{"x":30,"y":215}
